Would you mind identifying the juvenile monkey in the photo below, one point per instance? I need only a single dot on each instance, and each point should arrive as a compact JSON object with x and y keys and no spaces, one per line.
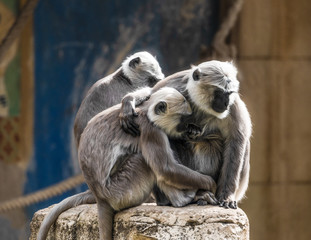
{"x":121,"y":170}
{"x":212,"y":91}
{"x":138,"y":70}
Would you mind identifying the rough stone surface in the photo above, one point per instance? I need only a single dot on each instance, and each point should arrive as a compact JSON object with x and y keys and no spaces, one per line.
{"x":149,"y":222}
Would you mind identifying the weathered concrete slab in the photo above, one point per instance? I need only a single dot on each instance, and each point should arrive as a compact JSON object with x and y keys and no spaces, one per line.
{"x":150,"y":222}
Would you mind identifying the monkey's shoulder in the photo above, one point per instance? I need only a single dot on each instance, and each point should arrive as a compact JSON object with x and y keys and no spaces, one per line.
{"x":116,"y":81}
{"x":178,"y":81}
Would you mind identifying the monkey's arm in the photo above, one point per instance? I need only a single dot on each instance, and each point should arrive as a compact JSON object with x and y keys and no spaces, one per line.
{"x":159,"y":156}
{"x":236,"y":146}
{"x":127,"y":112}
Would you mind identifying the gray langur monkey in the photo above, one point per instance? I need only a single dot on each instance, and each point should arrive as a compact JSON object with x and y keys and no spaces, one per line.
{"x":138,"y":70}
{"x":212,"y":90}
{"x":121,"y":170}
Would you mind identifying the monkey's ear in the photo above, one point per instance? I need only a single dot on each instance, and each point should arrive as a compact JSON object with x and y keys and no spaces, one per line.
{"x":160,"y":108}
{"x":134,"y":62}
{"x":197,"y":74}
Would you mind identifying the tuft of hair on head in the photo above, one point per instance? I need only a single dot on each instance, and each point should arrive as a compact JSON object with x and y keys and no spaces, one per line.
{"x":216,"y":73}
{"x":142,"y":65}
{"x":166,"y":93}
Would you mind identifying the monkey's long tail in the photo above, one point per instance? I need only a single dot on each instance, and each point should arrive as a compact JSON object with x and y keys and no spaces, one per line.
{"x":81,"y":198}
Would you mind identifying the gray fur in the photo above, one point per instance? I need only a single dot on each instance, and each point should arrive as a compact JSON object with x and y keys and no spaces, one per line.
{"x":103,"y":94}
{"x":226,"y":157}
{"x":141,"y":161}
{"x":234,"y":125}
{"x":110,"y":90}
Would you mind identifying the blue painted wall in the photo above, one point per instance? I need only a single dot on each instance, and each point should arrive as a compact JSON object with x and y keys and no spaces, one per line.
{"x":78,"y":42}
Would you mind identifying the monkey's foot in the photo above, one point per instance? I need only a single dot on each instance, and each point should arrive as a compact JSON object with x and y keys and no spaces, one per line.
{"x":163,"y":203}
{"x":205,"y":198}
{"x":228,"y":204}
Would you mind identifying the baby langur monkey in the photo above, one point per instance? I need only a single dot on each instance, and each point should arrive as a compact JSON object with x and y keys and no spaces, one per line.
{"x":121,"y":170}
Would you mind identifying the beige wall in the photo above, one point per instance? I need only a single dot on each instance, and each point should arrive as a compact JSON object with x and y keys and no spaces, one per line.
{"x":274,"y":45}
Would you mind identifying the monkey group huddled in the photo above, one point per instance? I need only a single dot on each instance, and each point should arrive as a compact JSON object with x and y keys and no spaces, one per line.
{"x":185,"y":138}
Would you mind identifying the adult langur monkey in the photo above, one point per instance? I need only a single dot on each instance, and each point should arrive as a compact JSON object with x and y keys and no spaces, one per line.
{"x":212,"y":90}
{"x":121,"y":170}
{"x":138,"y":70}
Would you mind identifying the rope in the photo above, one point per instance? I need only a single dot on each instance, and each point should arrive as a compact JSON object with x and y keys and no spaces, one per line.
{"x":17,"y":27}
{"x":41,"y":195}
{"x":219,"y":47}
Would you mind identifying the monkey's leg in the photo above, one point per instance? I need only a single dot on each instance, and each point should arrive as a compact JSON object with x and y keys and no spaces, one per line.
{"x":244,"y":178}
{"x":229,"y":179}
{"x":171,"y":196}
{"x":129,"y":186}
{"x":205,"y":197}
{"x":160,"y":158}
{"x":177,"y":197}
{"x":105,"y":219}
{"x":160,"y":197}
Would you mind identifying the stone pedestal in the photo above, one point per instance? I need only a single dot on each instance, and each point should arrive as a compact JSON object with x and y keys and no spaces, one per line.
{"x":149,"y":222}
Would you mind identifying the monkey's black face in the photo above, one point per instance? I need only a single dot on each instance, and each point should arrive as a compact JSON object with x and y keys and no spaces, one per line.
{"x":152,"y":81}
{"x":221,"y":100}
{"x":210,"y":86}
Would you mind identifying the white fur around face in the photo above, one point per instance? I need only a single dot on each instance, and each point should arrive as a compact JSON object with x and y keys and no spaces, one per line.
{"x":218,"y":74}
{"x":148,"y":67}
{"x":176,"y":107}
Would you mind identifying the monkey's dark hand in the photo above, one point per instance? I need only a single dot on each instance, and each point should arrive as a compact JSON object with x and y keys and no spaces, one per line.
{"x":193,"y":132}
{"x":127,"y":119}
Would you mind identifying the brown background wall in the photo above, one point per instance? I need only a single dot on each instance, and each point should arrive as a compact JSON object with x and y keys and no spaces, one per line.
{"x":273,"y":39}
